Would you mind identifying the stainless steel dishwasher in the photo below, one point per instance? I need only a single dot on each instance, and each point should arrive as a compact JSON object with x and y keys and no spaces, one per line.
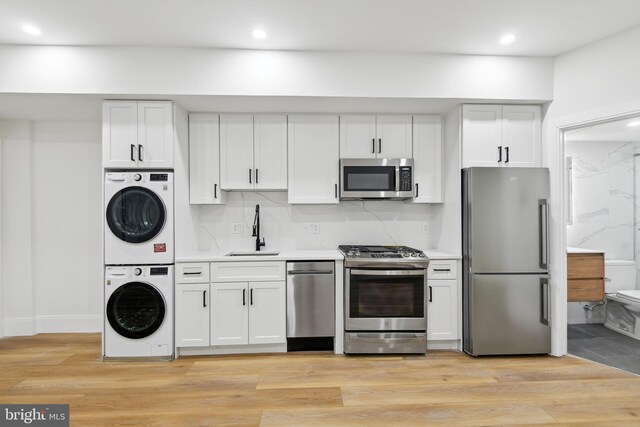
{"x":310,"y":299}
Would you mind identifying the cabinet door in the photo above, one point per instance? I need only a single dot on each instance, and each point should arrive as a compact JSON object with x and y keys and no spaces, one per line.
{"x":394,"y":137}
{"x":267,"y":311}
{"x":427,"y":159}
{"x":236,"y":152}
{"x":192,"y":315}
{"x":119,"y":134}
{"x":442,"y":310}
{"x":270,"y":152}
{"x":482,"y":135}
{"x":521,"y":135}
{"x":313,"y":159}
{"x":155,"y":134}
{"x":204,"y":160}
{"x":358,"y":137}
{"x":229,"y":313}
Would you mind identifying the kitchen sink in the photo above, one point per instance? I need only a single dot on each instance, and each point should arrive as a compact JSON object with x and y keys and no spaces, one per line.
{"x":252,"y":253}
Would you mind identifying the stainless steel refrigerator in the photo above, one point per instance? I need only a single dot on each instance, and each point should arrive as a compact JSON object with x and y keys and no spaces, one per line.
{"x":505,"y":261}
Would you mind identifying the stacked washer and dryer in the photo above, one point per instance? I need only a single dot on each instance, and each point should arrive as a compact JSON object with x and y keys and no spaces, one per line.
{"x":139,"y":263}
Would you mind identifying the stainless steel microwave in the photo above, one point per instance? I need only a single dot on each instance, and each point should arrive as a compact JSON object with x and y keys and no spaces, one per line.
{"x":363,"y":179}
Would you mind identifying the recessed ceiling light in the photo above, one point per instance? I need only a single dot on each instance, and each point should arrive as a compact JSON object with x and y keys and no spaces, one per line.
{"x":507,"y":39}
{"x":634,"y":124}
{"x":259,"y":34}
{"x":31,"y":29}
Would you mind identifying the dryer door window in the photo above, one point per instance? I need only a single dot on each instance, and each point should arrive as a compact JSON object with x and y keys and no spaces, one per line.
{"x":136,"y":214}
{"x":136,"y":310}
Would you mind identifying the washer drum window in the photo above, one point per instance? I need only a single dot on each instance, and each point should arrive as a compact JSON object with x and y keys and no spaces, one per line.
{"x":136,"y":214}
{"x":136,"y":310}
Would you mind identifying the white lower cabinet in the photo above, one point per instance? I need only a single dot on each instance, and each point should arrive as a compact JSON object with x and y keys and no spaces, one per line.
{"x":192,"y":315}
{"x":229,"y":313}
{"x":442,"y":297}
{"x":211,"y":312}
{"x":248,"y":313}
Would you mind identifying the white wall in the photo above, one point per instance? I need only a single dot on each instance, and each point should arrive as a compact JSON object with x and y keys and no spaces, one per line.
{"x":596,"y":81}
{"x":183,"y":71}
{"x":51,"y":222}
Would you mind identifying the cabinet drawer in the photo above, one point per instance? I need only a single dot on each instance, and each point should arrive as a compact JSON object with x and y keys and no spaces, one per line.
{"x":239,"y":271}
{"x":442,"y":269}
{"x":585,"y":266}
{"x":579,"y":290}
{"x":192,"y":272}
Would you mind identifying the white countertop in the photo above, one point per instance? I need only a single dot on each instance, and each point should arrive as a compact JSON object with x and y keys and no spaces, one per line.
{"x":312,"y":254}
{"x":571,"y":250}
{"x":291,"y":255}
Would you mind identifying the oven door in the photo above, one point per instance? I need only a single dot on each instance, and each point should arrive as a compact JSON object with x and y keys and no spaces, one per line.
{"x":385,"y":300}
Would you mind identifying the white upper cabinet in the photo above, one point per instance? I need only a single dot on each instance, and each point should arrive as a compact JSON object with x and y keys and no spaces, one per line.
{"x":370,"y":136}
{"x":427,"y":159}
{"x":521,"y":135}
{"x":497,"y":135}
{"x":270,"y":152}
{"x":137,"y":134}
{"x":253,"y":152}
{"x":313,"y":159}
{"x":204,"y":160}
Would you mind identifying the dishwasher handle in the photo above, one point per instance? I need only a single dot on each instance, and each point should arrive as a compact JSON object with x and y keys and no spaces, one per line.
{"x":308,"y":272}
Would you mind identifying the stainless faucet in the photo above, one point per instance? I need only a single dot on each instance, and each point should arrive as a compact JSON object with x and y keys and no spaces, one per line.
{"x":256,"y":229}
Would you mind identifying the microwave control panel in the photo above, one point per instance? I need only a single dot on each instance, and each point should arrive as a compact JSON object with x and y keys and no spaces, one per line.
{"x":405,"y":178}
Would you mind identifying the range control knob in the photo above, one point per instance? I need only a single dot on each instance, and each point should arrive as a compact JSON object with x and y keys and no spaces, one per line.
{"x":351,"y":253}
{"x":137,"y":271}
{"x":406,"y":254}
{"x":414,"y":254}
{"x":422,"y":255}
{"x":137,"y":177}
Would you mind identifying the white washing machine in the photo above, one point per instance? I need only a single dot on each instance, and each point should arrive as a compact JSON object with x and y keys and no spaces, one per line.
{"x":138,"y":311}
{"x":138,"y":227}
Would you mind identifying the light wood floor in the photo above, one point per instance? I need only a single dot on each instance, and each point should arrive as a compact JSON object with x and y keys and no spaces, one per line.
{"x":443,"y":388}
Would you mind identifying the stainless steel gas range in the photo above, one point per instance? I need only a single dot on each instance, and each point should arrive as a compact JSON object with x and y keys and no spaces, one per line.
{"x":385,"y":299}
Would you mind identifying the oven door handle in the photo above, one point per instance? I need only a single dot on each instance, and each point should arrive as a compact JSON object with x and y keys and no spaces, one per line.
{"x":388,"y":272}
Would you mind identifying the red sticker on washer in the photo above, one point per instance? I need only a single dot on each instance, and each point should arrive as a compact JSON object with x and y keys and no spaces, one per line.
{"x":159,"y":247}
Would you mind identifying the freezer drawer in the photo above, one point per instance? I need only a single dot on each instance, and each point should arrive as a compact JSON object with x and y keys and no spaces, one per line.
{"x":310,"y":299}
{"x":506,"y":314}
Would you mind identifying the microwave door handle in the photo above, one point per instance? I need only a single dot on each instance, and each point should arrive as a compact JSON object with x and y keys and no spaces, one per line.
{"x":397,"y":183}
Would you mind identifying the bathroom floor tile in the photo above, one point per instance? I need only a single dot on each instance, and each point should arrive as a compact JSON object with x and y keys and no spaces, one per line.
{"x":602,"y":345}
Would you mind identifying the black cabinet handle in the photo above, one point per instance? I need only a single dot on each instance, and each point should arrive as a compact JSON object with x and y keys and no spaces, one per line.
{"x":441,"y":269}
{"x":249,"y":176}
{"x":133,"y":147}
{"x":506,"y":149}
{"x":379,"y":145}
{"x":417,"y":190}
{"x":256,"y":175}
{"x":244,"y":297}
{"x":335,"y":190}
{"x":251,"y":297}
{"x":140,"y":152}
{"x":499,"y":154}
{"x":204,"y":298}
{"x":430,"y":294}
{"x":373,"y":145}
{"x":215,"y":191}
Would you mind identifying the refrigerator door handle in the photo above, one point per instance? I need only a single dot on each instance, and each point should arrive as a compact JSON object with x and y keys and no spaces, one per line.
{"x":544,"y":301}
{"x":543,"y":215}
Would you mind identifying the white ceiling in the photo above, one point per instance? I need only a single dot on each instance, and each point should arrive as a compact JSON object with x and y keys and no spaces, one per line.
{"x":543,"y":27}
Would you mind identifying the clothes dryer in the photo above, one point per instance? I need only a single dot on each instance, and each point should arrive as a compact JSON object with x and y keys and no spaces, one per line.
{"x":138,"y":226}
{"x":138,"y":316}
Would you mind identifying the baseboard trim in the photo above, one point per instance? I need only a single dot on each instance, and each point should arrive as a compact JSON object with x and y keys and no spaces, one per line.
{"x":64,"y":324}
{"x":2,"y":335}
{"x":20,"y":327}
{"x":443,"y":345}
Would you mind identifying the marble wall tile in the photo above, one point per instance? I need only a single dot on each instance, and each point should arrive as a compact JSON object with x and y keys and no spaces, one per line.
{"x":286,"y":227}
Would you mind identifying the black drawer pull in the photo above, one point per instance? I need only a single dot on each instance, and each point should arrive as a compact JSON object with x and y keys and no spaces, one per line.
{"x":441,"y":269}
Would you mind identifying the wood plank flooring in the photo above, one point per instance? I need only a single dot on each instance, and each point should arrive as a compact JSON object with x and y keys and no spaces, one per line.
{"x":442,"y":388}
